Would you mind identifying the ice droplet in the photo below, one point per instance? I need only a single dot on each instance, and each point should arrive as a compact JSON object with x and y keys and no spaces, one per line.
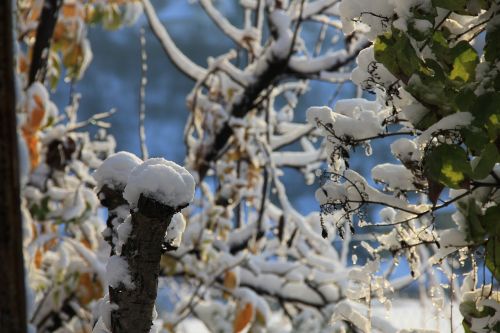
{"x":368,"y":149}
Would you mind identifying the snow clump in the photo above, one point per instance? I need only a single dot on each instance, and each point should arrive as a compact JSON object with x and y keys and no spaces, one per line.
{"x":114,"y":171}
{"x":117,"y":272}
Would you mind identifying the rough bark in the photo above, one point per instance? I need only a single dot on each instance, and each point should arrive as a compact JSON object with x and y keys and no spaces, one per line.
{"x":12,"y":292}
{"x":142,"y":252}
{"x":44,"y":32}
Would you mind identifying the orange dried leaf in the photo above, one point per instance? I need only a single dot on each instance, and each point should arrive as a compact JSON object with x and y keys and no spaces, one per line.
{"x":31,"y":128}
{"x":23,"y":64}
{"x":243,"y":318}
{"x":230,"y":281}
{"x":32,"y":144}
{"x":51,"y":243}
{"x":86,"y":243}
{"x":35,"y":230}
{"x":169,"y":327}
{"x":69,"y":10}
{"x":38,"y":100}
{"x":38,"y":258}
{"x":89,"y":289}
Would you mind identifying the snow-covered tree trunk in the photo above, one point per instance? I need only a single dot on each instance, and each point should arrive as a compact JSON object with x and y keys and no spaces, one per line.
{"x":12,"y":293}
{"x":142,"y":252}
{"x":153,"y":191}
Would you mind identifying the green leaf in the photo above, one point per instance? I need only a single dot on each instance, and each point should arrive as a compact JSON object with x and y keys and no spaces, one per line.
{"x":475,"y":139}
{"x":428,"y":120}
{"x":469,"y":310}
{"x":383,"y":47}
{"x":436,"y":69}
{"x":492,"y":44}
{"x":493,"y":256}
{"x":458,"y":6}
{"x":448,"y":165}
{"x":459,"y":61}
{"x":466,"y":327}
{"x":491,"y":221}
{"x":485,"y":163}
{"x":464,"y":63}
{"x":430,"y":90}
{"x":476,"y":230}
{"x":395,"y":51}
{"x":41,"y":210}
{"x":465,"y":99}
{"x":486,"y":112}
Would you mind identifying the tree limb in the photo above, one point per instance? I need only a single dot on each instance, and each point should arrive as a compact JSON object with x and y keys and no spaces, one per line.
{"x":44,"y":32}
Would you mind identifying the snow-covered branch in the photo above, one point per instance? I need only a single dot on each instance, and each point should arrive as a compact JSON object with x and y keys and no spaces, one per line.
{"x":179,"y":59}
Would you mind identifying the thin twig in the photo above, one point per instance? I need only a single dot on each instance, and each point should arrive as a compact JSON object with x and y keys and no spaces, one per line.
{"x":142,"y":95}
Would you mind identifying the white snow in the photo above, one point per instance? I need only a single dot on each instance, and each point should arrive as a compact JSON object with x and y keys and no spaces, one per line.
{"x":395,"y":176}
{"x":281,"y":21}
{"x":359,"y":120}
{"x":366,"y":71}
{"x":123,"y":232}
{"x":175,"y":230}
{"x":162,"y":180}
{"x":114,"y":171}
{"x":117,"y":272}
{"x":453,"y":121}
{"x":405,"y":150}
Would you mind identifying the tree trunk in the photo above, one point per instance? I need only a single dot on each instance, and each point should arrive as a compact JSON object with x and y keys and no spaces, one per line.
{"x":142,"y":251}
{"x":12,"y":293}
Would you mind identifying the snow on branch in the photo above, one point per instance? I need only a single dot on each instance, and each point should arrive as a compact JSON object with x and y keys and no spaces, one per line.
{"x":242,"y":38}
{"x":183,"y":63}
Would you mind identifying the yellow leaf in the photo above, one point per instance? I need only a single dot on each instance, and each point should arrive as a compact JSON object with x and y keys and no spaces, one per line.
{"x":168,"y":265}
{"x":260,"y":318}
{"x":453,"y":175}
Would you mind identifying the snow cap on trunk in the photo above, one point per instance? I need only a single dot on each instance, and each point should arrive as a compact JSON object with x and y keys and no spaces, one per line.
{"x":161,"y":180}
